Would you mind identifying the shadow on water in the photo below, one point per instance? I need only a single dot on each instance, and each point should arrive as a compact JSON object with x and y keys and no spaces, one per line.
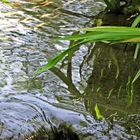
{"x":60,"y":103}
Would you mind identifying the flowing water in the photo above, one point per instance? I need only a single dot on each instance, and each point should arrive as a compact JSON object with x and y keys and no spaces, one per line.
{"x":60,"y":103}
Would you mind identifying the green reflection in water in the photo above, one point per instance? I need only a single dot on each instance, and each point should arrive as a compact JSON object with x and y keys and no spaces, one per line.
{"x":110,"y":82}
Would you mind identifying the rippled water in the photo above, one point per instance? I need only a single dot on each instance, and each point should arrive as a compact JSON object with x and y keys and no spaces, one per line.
{"x":52,"y":101}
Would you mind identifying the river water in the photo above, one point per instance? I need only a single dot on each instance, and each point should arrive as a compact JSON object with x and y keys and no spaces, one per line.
{"x":60,"y":103}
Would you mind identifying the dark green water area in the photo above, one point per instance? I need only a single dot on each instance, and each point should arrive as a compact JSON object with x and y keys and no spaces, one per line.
{"x":89,"y":98}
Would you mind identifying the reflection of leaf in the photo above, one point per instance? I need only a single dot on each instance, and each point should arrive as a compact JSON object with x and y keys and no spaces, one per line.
{"x":114,"y":59}
{"x":130,"y":91}
{"x":136,"y":76}
{"x":109,"y":93}
{"x":136,"y":50}
{"x":97,"y":111}
{"x":46,"y":3}
{"x":26,"y":19}
{"x":130,"y":87}
{"x":40,"y":25}
{"x":45,"y":15}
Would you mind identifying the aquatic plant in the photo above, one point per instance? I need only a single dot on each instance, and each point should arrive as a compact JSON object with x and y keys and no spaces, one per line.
{"x":107,"y":34}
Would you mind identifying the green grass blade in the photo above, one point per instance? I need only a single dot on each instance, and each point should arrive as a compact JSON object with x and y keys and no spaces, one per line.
{"x":104,"y":36}
{"x":56,"y":59}
{"x":114,"y":29}
{"x":136,"y":21}
{"x":108,"y":33}
{"x":104,"y":33}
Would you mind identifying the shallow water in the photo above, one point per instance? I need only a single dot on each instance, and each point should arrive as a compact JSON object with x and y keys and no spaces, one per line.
{"x":52,"y":100}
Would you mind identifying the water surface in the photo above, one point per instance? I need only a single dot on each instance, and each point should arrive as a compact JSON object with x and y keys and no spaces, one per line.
{"x":61,"y":100}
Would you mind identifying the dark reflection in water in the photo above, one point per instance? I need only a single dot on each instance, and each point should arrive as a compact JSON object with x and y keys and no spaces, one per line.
{"x":60,"y":102}
{"x":109,"y":82}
